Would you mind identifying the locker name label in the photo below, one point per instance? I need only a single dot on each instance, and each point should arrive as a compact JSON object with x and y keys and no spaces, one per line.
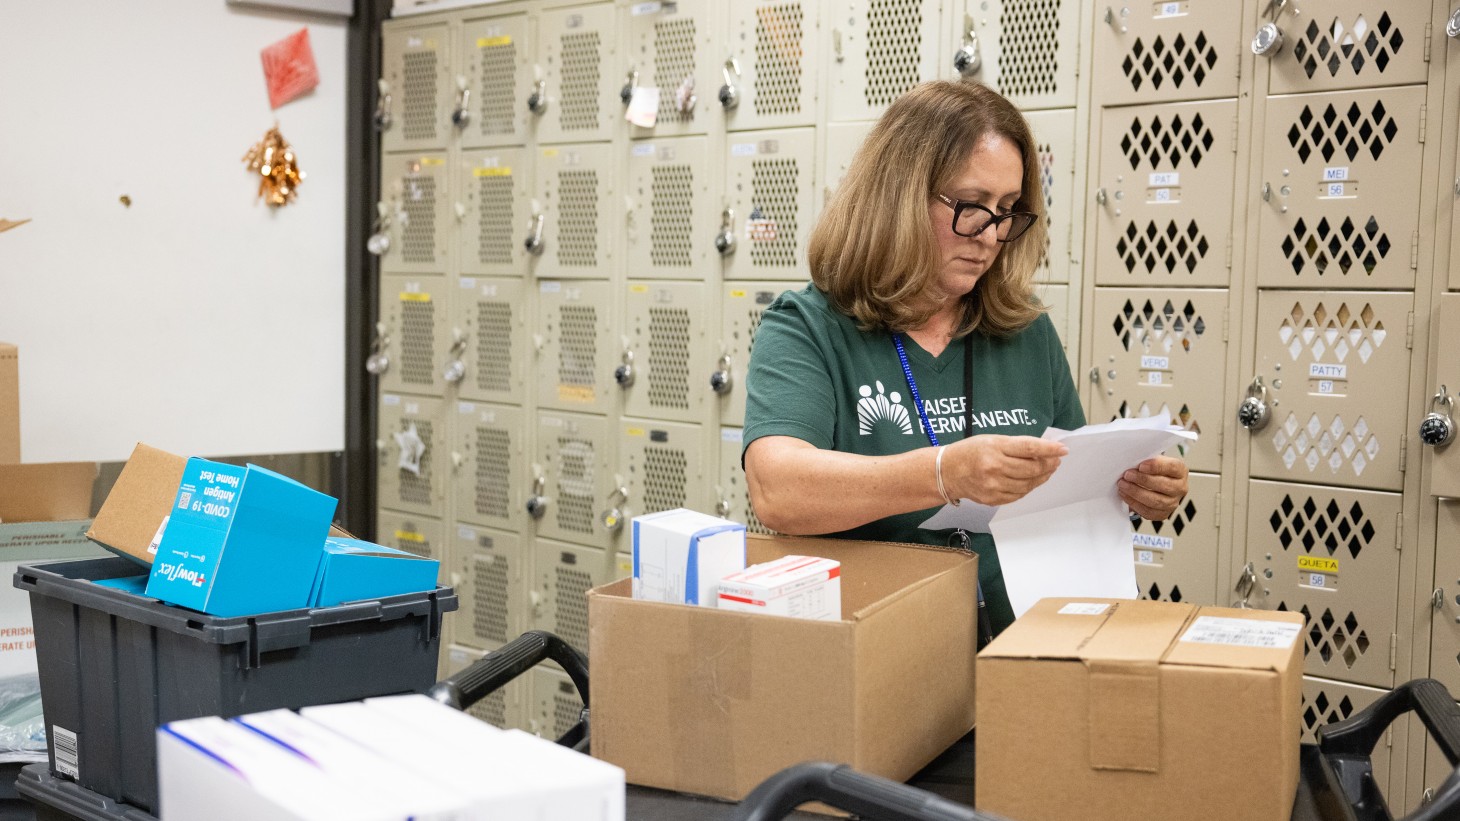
{"x":633,"y":431}
{"x":575,"y":393}
{"x":493,"y":42}
{"x":640,"y":9}
{"x":406,"y":296}
{"x":643,"y":150}
{"x":503,"y":171}
{"x":433,"y":161}
{"x":1145,"y":540}
{"x":1314,"y":564}
{"x":1317,"y":371}
{"x":732,"y":434}
{"x":390,"y":399}
{"x":1335,"y":174}
{"x":465,"y":533}
{"x":466,"y":408}
{"x":1160,"y":363}
{"x":742,"y":150}
{"x":408,"y":536}
{"x":1167,"y":179}
{"x":1242,"y":632}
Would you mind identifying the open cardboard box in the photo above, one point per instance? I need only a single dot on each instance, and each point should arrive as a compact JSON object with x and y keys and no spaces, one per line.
{"x":713,"y":702}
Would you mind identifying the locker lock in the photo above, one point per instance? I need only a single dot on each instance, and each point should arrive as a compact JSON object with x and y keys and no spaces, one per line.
{"x":1245,"y":583}
{"x":613,"y":518}
{"x":1253,"y":413}
{"x":626,"y":94}
{"x":379,"y":361}
{"x":537,"y":503}
{"x":1438,"y":428}
{"x":1452,"y":26}
{"x":722,"y":508}
{"x":379,"y":241}
{"x":455,"y":369}
{"x":720,"y":381}
{"x":533,"y":243}
{"x":967,"y":60}
{"x":382,"y":105}
{"x":1268,"y":41}
{"x":624,"y":374}
{"x":462,"y":114}
{"x":537,"y":101}
{"x":729,"y":92}
{"x":725,"y":240}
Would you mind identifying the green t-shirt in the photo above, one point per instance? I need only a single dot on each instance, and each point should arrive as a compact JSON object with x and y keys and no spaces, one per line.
{"x":814,"y":376}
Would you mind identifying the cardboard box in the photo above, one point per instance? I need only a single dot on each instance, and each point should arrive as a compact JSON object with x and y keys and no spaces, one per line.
{"x":680,"y":556}
{"x":1104,"y":709}
{"x":800,"y":587}
{"x":240,"y":541}
{"x":9,"y":404}
{"x":355,"y":570}
{"x":709,"y":701}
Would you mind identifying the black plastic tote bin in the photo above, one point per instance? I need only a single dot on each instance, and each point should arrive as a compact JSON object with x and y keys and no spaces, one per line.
{"x":57,"y":799}
{"x":115,"y":666}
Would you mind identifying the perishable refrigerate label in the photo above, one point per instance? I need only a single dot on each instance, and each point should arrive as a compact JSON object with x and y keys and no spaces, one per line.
{"x":1242,"y":632}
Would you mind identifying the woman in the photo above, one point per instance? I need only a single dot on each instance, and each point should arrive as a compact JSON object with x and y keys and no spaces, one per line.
{"x":918,"y":368}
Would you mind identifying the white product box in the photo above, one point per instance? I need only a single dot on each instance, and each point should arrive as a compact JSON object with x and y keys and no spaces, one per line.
{"x":680,"y":556}
{"x":802,"y":587}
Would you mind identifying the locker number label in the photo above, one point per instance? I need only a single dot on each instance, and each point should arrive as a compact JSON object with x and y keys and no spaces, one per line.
{"x":1316,"y":579}
{"x":1161,"y":195}
{"x":1146,"y":556}
{"x":1335,"y":189}
{"x":1154,"y":378}
{"x":1325,"y":386}
{"x":1168,"y":10}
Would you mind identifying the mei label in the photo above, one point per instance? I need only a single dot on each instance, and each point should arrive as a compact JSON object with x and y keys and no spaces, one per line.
{"x":1083,"y":609}
{"x":1242,"y":632}
{"x":1335,"y":174}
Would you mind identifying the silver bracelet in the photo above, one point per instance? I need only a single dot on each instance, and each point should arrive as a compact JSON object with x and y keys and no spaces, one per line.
{"x":938,"y":473}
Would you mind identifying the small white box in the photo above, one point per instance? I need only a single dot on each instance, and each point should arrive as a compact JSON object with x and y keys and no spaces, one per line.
{"x":802,"y":587}
{"x":680,"y":556}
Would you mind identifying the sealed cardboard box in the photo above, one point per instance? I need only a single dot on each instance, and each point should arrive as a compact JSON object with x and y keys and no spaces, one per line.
{"x":710,"y":701}
{"x":9,"y":404}
{"x":1103,"y":709}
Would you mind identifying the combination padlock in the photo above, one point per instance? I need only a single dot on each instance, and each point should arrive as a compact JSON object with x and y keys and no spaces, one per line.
{"x":382,"y":105}
{"x":537,"y":503}
{"x":720,"y":380}
{"x":613,"y":518}
{"x":626,"y":94}
{"x":537,"y":101}
{"x":967,"y":60}
{"x":379,"y":361}
{"x":455,"y":369}
{"x":624,"y":374}
{"x":1253,"y":413}
{"x":1438,"y":427}
{"x":729,"y":92}
{"x":725,"y":240}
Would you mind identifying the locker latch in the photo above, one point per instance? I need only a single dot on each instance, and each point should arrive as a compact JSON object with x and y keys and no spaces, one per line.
{"x":722,"y":508}
{"x":462,"y":114}
{"x":537,"y":503}
{"x":1452,"y":26}
{"x":533,"y":243}
{"x":725,"y":240}
{"x":720,"y":380}
{"x":626,"y":94}
{"x":379,"y":241}
{"x":624,"y":374}
{"x":1438,"y":427}
{"x":1245,"y":583}
{"x":730,"y":92}
{"x":537,"y":101}
{"x":967,"y":60}
{"x":1269,"y":38}
{"x":455,"y":369}
{"x":379,"y":361}
{"x":382,"y":105}
{"x":1253,"y":413}
{"x":613,"y":518}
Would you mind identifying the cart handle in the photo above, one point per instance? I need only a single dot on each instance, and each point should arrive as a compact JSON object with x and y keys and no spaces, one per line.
{"x":868,"y":796}
{"x":516,"y":657}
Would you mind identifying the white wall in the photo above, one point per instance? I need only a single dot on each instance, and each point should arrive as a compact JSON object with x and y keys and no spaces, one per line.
{"x":197,"y":320}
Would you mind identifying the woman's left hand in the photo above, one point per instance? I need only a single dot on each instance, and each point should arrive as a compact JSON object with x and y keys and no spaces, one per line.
{"x":1154,"y":488}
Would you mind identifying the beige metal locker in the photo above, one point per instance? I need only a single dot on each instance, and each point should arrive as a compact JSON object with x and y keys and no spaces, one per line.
{"x":623,"y":566}
{"x":502,"y":708}
{"x":1333,"y":555}
{"x":670,"y":223}
{"x":1158,"y":216}
{"x":414,"y":336}
{"x":573,"y":484}
{"x":575,"y":348}
{"x":769,"y":78}
{"x":770,"y":185}
{"x":493,"y":211}
{"x":1445,"y":601}
{"x":1339,"y":195}
{"x":1027,"y":49}
{"x":489,"y":343}
{"x":1329,"y":365}
{"x":879,"y":49}
{"x":1325,"y":702}
{"x":410,"y":472}
{"x":564,"y":573}
{"x":1166,"y":51}
{"x":674,"y":57}
{"x":416,"y":89}
{"x":741,"y":310}
{"x":1333,"y":44}
{"x":1444,"y":460}
{"x":574,"y":225}
{"x":664,"y":467}
{"x":578,"y":83}
{"x":732,"y":495}
{"x":497,"y":70}
{"x":841,"y":143}
{"x":555,"y":706}
{"x":1162,"y":349}
{"x":1176,"y":559}
{"x":489,"y":570}
{"x":1054,"y":137}
{"x":1436,"y":769}
{"x":489,"y":467}
{"x":670,"y":361}
{"x":421,"y":535}
{"x":415,"y":213}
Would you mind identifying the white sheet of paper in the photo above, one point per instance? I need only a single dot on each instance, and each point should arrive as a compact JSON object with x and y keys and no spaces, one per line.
{"x":643,"y":110}
{"x":1071,"y":536}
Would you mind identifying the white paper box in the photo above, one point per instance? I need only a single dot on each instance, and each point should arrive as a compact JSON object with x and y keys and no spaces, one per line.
{"x":680,"y":556}
{"x":802,"y":587}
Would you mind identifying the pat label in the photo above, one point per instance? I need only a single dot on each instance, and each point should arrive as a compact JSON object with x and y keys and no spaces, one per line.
{"x":1168,"y":179}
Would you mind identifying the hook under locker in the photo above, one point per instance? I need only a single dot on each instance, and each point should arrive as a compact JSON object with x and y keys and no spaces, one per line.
{"x":410,"y":473}
{"x":1158,"y":349}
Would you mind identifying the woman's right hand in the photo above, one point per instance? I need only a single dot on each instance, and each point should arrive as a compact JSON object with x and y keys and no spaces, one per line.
{"x":997,"y":470}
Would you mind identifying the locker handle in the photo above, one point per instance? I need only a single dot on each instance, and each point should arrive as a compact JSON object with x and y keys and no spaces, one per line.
{"x":462,"y":114}
{"x":533,"y":243}
{"x":1452,"y":26}
{"x":729,"y":92}
{"x":537,"y":503}
{"x":721,"y":381}
{"x":1245,"y":583}
{"x":537,"y":101}
{"x":624,"y":374}
{"x":725,"y":240}
{"x":379,"y":361}
{"x":626,"y":94}
{"x":382,"y":105}
{"x":379,"y":241}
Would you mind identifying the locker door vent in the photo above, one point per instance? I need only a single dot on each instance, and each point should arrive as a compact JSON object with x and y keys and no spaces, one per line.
{"x":1179,"y":521}
{"x":753,"y":317}
{"x":575,"y":485}
{"x":578,"y":232}
{"x":778,"y":52}
{"x":494,"y":220}
{"x":1330,"y":638}
{"x":578,"y":348}
{"x":664,"y":479}
{"x":1331,"y":132}
{"x":497,"y":89}
{"x":1165,"y":329}
{"x":1154,"y":593}
{"x":415,"y":489}
{"x":494,"y":466}
{"x":1155,"y":248}
{"x":489,"y":605}
{"x":1342,"y":333}
{"x":1176,"y":61}
{"x":1357,"y":46}
{"x":494,"y":346}
{"x":1346,"y":246}
{"x":492,"y":709}
{"x":1029,"y":47}
{"x":418,"y":342}
{"x":1337,"y":444}
{"x":894,"y":49}
{"x":774,"y":187}
{"x":579,"y":109}
{"x":669,"y":344}
{"x":571,"y":606}
{"x":1166,"y":143}
{"x":419,"y":118}
{"x":567,"y":709}
{"x":1322,"y":710}
{"x":674,"y":66}
{"x":671,"y":221}
{"x":1046,"y":179}
{"x":418,"y":235}
{"x":1326,"y":529}
{"x":1183,"y":417}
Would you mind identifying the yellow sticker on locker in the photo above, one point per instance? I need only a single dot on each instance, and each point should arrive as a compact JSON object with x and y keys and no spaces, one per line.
{"x":1314,"y":564}
{"x":634,"y":431}
{"x":550,"y":152}
{"x":410,"y":536}
{"x":492,"y":172}
{"x":575,"y":393}
{"x":639,"y":289}
{"x":409,"y":297}
{"x":432,"y":161}
{"x":489,"y":42}
{"x":736,"y":292}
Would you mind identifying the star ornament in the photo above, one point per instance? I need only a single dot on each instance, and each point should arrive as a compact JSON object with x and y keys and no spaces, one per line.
{"x":412,"y":449}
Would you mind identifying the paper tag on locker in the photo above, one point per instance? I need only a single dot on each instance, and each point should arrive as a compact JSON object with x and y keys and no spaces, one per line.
{"x":643,"y":110}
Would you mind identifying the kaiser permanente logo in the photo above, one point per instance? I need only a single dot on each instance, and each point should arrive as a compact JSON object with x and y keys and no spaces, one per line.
{"x":945,"y":415}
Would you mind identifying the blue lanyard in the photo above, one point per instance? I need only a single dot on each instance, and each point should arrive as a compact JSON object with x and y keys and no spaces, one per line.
{"x":912,"y":386}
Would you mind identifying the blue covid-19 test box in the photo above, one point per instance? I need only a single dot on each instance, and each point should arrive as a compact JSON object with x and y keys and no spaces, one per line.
{"x":240,"y":541}
{"x":354,"y":570}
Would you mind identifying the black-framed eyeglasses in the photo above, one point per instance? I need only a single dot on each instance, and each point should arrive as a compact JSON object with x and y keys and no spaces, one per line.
{"x":971,"y":219}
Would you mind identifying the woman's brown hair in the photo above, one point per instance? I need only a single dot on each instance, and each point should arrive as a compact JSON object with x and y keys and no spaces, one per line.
{"x":873,"y":251}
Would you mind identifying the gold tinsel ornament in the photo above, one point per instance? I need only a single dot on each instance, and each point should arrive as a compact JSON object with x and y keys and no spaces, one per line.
{"x":278,"y":169}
